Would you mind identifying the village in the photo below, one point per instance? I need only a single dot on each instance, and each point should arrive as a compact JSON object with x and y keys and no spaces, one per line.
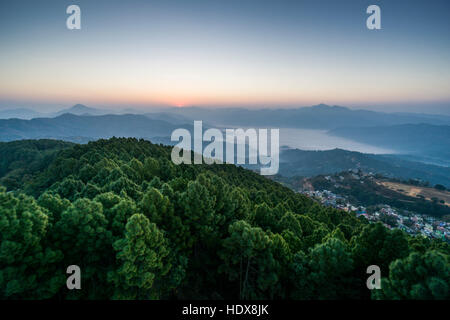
{"x":410,"y":222}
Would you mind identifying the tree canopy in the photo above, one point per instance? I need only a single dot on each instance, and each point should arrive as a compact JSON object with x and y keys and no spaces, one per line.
{"x":140,"y":227}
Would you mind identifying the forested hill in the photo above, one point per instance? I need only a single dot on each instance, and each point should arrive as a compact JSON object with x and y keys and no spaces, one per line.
{"x":20,"y":158}
{"x":307,"y":163}
{"x":141,"y":227}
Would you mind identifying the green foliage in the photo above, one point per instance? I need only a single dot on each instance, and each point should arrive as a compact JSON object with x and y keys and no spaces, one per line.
{"x":140,"y":227}
{"x":376,"y":245}
{"x":419,"y":276}
{"x":27,"y":263}
{"x":248,"y":260}
{"x":330,"y":267}
{"x":140,"y":254}
{"x":20,"y":158}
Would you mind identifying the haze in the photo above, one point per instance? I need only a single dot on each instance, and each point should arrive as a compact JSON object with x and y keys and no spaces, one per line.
{"x":226,"y":53}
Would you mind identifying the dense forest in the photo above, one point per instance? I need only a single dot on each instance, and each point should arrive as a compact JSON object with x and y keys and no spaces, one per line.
{"x":141,"y":227}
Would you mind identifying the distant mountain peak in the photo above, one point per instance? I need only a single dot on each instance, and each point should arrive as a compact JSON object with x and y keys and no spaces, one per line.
{"x":321,"y":105}
{"x":324,"y":106}
{"x":19,"y":113}
{"x":80,"y":107}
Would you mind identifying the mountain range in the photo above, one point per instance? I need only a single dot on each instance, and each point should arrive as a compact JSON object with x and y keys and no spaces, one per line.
{"x":315,"y":117}
{"x":78,"y":109}
{"x":21,"y":113}
{"x":70,"y":127}
{"x":421,"y":137}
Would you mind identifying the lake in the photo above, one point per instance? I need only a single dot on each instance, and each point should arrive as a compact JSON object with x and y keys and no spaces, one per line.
{"x":307,"y":139}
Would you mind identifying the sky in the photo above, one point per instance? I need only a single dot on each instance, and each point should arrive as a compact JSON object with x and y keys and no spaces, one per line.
{"x":211,"y":53}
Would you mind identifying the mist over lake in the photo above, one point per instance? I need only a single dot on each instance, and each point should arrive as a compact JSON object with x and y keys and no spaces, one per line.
{"x":308,"y":139}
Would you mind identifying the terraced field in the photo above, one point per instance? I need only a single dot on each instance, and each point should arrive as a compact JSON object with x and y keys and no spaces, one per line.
{"x":417,"y":191}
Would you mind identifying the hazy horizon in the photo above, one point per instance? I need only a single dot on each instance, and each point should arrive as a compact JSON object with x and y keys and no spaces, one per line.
{"x":257,"y":54}
{"x":44,"y":108}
